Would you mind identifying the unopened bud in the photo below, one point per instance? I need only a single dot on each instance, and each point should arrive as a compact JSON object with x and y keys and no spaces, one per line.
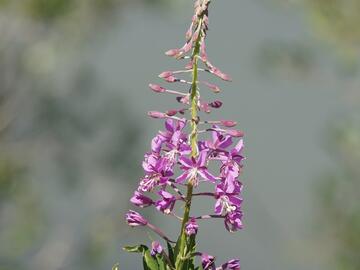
{"x":234,"y":133}
{"x":171,"y":112}
{"x":216,"y":104}
{"x":217,"y":72}
{"x":157,"y":88}
{"x":173,"y":52}
{"x":165,"y":74}
{"x":171,"y":79}
{"x":213,"y":87}
{"x":155,"y":114}
{"x":228,"y":123}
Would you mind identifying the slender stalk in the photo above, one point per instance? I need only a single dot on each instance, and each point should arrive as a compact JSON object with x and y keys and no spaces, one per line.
{"x":180,"y":260}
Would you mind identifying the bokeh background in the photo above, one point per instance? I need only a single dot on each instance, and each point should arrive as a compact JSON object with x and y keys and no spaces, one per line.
{"x":73,"y":130}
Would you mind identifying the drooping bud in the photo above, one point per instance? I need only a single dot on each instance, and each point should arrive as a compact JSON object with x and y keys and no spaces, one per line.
{"x":156,"y":248}
{"x":171,"y":79}
{"x":165,"y":74}
{"x":157,"y":88}
{"x":155,"y":114}
{"x":234,"y":133}
{"x":173,"y":52}
{"x":212,"y":87}
{"x":141,"y":200}
{"x":207,"y":262}
{"x":216,"y":104}
{"x":217,"y":72}
{"x":171,"y":112}
{"x":134,"y":219}
{"x":228,"y":123}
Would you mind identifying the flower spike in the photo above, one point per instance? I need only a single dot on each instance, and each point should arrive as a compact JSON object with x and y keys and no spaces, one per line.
{"x":182,"y":157}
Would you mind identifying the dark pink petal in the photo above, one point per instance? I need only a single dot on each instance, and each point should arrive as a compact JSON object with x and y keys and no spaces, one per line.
{"x":186,"y":162}
{"x":181,"y":178}
{"x":204,"y":173}
{"x":201,"y":162}
{"x":170,"y":125}
{"x":225,"y":142}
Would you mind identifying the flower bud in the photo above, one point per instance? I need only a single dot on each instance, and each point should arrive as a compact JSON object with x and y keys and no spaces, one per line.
{"x":213,"y":87}
{"x":228,"y":123}
{"x":171,"y":79}
{"x":171,"y":112}
{"x":234,"y":133}
{"x":191,"y":227}
{"x":134,"y":219}
{"x":165,"y":74}
{"x":157,"y":88}
{"x":155,"y":114}
{"x":156,"y":248}
{"x":207,"y":262}
{"x":217,"y":72}
{"x":173,"y":52}
{"x":141,"y":200}
{"x":216,"y":104}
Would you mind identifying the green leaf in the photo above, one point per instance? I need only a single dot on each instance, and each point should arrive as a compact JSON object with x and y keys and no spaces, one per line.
{"x":161,"y":262}
{"x":171,"y":253}
{"x":136,"y":249}
{"x":150,"y":261}
{"x":116,"y":267}
{"x":145,"y":265}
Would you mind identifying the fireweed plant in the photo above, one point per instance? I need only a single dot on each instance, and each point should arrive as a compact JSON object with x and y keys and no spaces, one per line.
{"x":179,"y":148}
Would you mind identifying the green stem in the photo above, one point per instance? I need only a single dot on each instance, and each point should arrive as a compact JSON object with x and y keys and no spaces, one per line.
{"x":182,"y":242}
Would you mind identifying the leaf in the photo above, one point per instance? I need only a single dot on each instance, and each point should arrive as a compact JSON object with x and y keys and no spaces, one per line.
{"x":144,"y":264}
{"x":171,"y":253}
{"x":136,"y":249}
{"x":161,"y":262}
{"x":150,"y":261}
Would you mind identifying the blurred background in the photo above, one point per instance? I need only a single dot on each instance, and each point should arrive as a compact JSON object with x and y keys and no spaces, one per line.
{"x":73,"y":129}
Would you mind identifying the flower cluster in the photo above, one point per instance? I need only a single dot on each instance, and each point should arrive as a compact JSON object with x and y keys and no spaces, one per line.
{"x":190,"y":151}
{"x":170,"y":149}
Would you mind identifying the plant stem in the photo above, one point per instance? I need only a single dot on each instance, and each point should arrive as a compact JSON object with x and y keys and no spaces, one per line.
{"x":180,"y":260}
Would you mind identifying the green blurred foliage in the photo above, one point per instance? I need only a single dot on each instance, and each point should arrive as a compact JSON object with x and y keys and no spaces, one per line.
{"x":63,"y":172}
{"x":338,"y":198}
{"x":285,"y":58}
{"x":338,"y":20}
